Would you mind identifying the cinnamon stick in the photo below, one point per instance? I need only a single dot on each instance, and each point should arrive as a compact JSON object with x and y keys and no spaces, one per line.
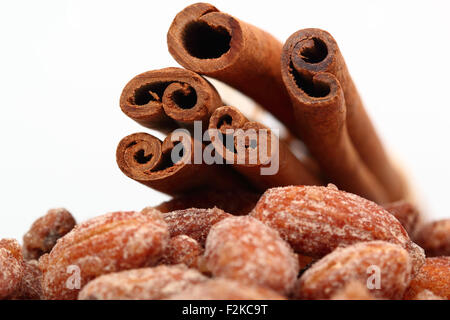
{"x":320,"y":110}
{"x":148,"y":160}
{"x":236,"y":202}
{"x":213,"y":43}
{"x":310,"y":52}
{"x":252,"y":152}
{"x":169,"y":98}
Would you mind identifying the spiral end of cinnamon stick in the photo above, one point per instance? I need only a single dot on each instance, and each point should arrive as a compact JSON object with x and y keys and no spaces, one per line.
{"x":203,"y":39}
{"x":314,"y":50}
{"x":241,"y":140}
{"x":226,"y":118}
{"x":143,"y":157}
{"x":254,"y":144}
{"x":163,"y":99}
{"x":306,"y":59}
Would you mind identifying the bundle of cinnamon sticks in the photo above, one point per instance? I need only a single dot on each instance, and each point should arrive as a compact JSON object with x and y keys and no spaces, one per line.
{"x":249,"y":218}
{"x":211,"y":147}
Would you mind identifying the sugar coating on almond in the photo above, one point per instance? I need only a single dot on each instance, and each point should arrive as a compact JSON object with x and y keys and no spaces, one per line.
{"x":427,"y":295}
{"x":45,"y":231}
{"x":434,"y":237}
{"x":354,"y":290}
{"x":142,"y":284}
{"x":434,"y":276}
{"x":406,"y":214}
{"x":383,"y":266}
{"x":226,"y":289}
{"x":13,"y":246}
{"x":182,"y":249}
{"x":11,"y":267}
{"x":30,"y":286}
{"x":316,"y":220}
{"x":194,"y":222}
{"x":244,"y":249}
{"x":109,"y":243}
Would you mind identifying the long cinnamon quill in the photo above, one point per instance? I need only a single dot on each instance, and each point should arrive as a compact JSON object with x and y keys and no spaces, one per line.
{"x":320,"y":110}
{"x":255,"y":147}
{"x":236,"y":201}
{"x":213,"y":43}
{"x":148,"y":160}
{"x":312,"y":52}
{"x":169,"y":98}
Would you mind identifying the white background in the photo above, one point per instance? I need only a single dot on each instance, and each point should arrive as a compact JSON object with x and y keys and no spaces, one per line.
{"x":63,"y":65}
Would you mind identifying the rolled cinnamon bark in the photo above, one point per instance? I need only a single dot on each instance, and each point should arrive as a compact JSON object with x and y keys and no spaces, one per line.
{"x":320,"y":111}
{"x":313,"y":51}
{"x":150,"y":161}
{"x":213,"y":43}
{"x":254,"y":148}
{"x":169,"y":98}
{"x":237,"y":202}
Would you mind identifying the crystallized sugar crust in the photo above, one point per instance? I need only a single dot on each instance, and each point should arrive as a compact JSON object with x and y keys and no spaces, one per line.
{"x":142,"y":284}
{"x":11,"y":273}
{"x":226,"y":289}
{"x":354,"y":263}
{"x":354,"y":290}
{"x":45,"y":231}
{"x":434,"y":237}
{"x":316,"y":220}
{"x":11,"y":267}
{"x":30,"y":286}
{"x":405,"y":213}
{"x":13,"y":247}
{"x":434,"y":278}
{"x":109,"y":243}
{"x":182,"y":249}
{"x":246,"y":250}
{"x":194,"y":222}
{"x":19,"y":279}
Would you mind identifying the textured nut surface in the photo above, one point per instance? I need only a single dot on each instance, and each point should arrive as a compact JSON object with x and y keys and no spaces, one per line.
{"x":109,"y":243}
{"x":357,"y":263}
{"x":427,"y":295}
{"x":406,"y":213}
{"x":434,"y":276}
{"x":182,"y":249}
{"x":434,"y":237}
{"x":246,"y":250}
{"x":316,"y":220}
{"x":142,"y":284}
{"x":13,"y":247}
{"x":194,"y":222}
{"x":30,"y":286}
{"x":45,"y":231}
{"x":11,"y":267}
{"x":354,"y":290}
{"x":226,"y":289}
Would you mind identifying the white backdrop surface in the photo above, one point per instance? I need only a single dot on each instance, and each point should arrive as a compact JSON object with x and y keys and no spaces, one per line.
{"x":63,"y":65}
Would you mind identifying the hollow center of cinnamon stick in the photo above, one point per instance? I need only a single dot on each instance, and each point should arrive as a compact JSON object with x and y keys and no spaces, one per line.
{"x":305,"y":82}
{"x":224,"y":122}
{"x":185,"y":99}
{"x":313,"y":50}
{"x":204,"y":41}
{"x":149,"y":92}
{"x":141,"y":158}
{"x":168,"y":159}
